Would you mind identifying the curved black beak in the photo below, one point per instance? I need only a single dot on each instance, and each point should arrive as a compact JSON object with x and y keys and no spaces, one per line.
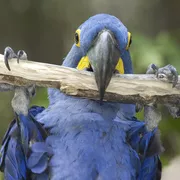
{"x":103,"y":56}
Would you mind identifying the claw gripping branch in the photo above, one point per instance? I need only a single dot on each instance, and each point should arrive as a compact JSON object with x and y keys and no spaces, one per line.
{"x":9,"y":54}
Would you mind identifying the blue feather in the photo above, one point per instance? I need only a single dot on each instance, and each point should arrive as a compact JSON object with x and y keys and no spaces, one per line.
{"x":93,"y":140}
{"x":20,"y":145}
{"x":15,"y":166}
{"x":140,"y":140}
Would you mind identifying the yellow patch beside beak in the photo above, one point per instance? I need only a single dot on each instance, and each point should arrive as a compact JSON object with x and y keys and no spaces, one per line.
{"x":120,"y":66}
{"x":85,"y":63}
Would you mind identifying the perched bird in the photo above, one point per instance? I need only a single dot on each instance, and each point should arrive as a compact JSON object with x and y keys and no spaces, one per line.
{"x":89,"y":140}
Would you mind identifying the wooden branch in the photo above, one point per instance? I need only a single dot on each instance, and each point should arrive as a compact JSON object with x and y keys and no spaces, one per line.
{"x":123,"y":88}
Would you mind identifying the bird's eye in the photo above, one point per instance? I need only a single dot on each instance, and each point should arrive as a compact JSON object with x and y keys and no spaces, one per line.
{"x":77,"y":37}
{"x":129,"y":40}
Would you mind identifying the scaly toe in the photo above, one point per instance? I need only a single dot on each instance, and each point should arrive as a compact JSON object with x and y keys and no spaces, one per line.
{"x":169,"y":72}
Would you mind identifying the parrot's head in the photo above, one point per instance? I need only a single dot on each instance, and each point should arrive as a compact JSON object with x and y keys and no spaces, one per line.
{"x":101,"y":45}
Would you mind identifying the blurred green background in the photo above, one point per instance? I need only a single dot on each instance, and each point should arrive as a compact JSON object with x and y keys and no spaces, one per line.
{"x":45,"y":29}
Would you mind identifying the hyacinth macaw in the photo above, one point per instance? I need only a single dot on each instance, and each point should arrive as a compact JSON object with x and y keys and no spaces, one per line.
{"x":83,"y":139}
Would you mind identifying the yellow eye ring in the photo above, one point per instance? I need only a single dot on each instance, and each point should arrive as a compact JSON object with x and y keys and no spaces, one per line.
{"x":129,"y":40}
{"x":77,"y":37}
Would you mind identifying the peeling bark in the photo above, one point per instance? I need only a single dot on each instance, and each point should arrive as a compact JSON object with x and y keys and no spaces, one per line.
{"x":128,"y":88}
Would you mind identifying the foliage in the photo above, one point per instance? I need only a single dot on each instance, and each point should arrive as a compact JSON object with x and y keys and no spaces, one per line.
{"x":161,"y":50}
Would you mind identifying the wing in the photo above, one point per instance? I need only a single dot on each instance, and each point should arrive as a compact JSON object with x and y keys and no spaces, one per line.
{"x":10,"y":150}
{"x":148,"y":146}
{"x":24,"y":152}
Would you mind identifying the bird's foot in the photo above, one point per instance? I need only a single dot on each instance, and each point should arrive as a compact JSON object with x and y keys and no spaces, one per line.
{"x":152,"y":116}
{"x":9,"y":54}
{"x":168,"y":72}
{"x":22,"y":95}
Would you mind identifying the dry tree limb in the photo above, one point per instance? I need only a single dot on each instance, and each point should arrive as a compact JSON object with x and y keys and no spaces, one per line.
{"x":123,"y":88}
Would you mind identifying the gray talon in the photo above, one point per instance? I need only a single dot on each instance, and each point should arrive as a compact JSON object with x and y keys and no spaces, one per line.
{"x":175,"y":75}
{"x":8,"y":54}
{"x":21,"y":54}
{"x":152,"y":69}
{"x":170,"y":73}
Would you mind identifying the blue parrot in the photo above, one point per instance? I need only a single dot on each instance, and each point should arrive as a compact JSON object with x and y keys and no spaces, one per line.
{"x":83,"y":139}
